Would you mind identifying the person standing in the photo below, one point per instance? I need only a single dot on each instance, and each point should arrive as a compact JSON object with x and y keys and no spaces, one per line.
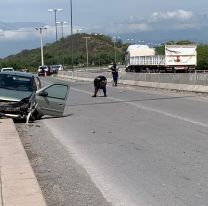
{"x":114,"y":70}
{"x":100,"y":83}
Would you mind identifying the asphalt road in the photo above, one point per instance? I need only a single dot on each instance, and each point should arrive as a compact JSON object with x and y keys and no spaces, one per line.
{"x":136,"y":147}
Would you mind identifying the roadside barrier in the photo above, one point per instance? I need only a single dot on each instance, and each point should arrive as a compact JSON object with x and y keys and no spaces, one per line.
{"x":194,"y":82}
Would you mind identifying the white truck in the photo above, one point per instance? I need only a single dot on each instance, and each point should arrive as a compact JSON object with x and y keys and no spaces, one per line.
{"x":141,"y":58}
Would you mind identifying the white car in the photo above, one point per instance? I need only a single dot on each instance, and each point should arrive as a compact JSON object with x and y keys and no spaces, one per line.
{"x":58,"y":67}
{"x":43,"y":70}
{"x":7,"y":69}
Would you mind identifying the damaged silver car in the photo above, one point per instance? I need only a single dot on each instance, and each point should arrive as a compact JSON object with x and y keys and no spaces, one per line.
{"x":21,"y":96}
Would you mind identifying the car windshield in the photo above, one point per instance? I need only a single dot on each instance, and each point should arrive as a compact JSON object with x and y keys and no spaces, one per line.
{"x":16,"y":82}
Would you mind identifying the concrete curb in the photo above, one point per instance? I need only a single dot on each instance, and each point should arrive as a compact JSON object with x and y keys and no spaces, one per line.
{"x":18,"y":184}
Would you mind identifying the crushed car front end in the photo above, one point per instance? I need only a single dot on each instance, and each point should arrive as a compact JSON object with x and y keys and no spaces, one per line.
{"x":17,"y":109}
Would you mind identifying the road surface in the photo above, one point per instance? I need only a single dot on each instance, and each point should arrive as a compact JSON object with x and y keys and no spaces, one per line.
{"x":136,"y":147}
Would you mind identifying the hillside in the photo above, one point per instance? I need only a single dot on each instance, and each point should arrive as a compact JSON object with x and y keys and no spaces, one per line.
{"x":72,"y":52}
{"x":69,"y":51}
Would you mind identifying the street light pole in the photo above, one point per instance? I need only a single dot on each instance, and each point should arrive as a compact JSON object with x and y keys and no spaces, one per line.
{"x":62,"y":37}
{"x":99,"y":48}
{"x":130,"y":40}
{"x":72,"y":61}
{"x":114,"y":52}
{"x":41,"y":43}
{"x":79,"y":30}
{"x":114,"y":44}
{"x":62,"y":27}
{"x":86,"y":41}
{"x":71,"y":17}
{"x":115,"y":56}
{"x":55,"y":11}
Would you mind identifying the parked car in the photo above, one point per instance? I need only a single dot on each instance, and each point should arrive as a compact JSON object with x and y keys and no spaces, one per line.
{"x":7,"y":69}
{"x":56,"y":68}
{"x":44,"y":70}
{"x":60,"y":67}
{"x":21,"y":96}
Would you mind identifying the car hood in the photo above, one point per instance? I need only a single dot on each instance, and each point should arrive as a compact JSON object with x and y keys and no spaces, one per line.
{"x":13,"y":95}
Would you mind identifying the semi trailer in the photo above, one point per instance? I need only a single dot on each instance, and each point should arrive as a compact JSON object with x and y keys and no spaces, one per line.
{"x":142,"y":58}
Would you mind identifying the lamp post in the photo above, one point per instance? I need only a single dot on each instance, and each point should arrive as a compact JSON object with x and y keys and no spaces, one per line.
{"x":62,"y":37}
{"x":71,"y":17}
{"x":114,"y":43}
{"x":41,"y":42}
{"x":99,"y":48}
{"x":62,"y":27}
{"x":86,"y":41}
{"x":130,"y":40}
{"x":141,"y":42}
{"x":78,"y":30}
{"x":55,"y":11}
{"x":72,"y":49}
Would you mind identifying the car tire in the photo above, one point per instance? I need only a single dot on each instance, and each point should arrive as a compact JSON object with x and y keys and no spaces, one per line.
{"x":35,"y":116}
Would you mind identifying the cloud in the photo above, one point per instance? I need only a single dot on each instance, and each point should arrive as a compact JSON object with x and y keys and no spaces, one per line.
{"x":26,"y":33}
{"x":19,"y":34}
{"x":158,"y":21}
{"x":139,"y":27}
{"x":175,"y":15}
{"x":120,"y":27}
{"x":182,"y":26}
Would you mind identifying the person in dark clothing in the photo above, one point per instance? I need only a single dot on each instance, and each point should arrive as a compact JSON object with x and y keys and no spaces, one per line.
{"x":100,"y":83}
{"x":114,"y":70}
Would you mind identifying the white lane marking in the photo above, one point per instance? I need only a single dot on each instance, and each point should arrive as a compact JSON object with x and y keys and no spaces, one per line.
{"x":139,"y":106}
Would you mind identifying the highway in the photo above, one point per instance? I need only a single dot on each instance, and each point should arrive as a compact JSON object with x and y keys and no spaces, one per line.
{"x":138,"y":146}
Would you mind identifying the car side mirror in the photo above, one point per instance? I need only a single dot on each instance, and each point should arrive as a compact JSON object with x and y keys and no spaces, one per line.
{"x":43,"y":94}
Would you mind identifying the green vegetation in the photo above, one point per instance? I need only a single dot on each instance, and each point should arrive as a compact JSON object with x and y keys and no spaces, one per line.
{"x":202,"y":56}
{"x":72,"y":51}
{"x":101,"y":51}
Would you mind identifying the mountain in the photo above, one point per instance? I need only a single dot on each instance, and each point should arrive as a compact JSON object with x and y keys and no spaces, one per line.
{"x":74,"y":50}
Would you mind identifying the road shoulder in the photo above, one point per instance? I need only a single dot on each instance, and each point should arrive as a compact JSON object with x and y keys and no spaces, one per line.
{"x":19,"y":185}
{"x":62,"y":180}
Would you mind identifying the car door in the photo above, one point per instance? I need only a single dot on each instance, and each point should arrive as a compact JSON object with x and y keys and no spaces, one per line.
{"x":52,"y":99}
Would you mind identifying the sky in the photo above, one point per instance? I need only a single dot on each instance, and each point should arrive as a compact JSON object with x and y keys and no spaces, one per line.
{"x":133,"y":20}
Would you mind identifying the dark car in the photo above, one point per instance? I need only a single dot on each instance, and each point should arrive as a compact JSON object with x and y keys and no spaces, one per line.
{"x":22,"y":97}
{"x":56,"y":68}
